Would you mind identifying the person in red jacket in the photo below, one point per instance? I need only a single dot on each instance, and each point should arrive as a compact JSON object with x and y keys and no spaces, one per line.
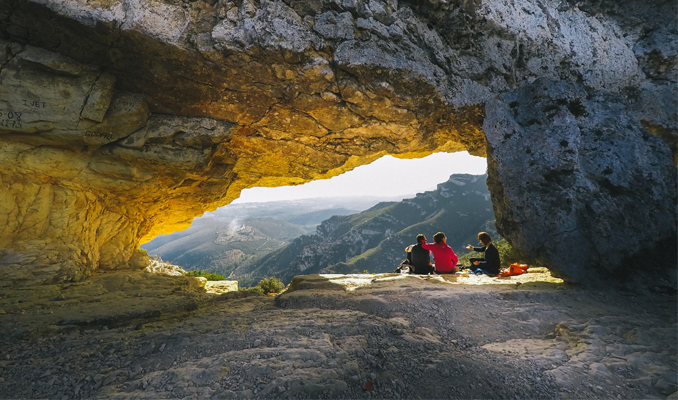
{"x":443,"y":255}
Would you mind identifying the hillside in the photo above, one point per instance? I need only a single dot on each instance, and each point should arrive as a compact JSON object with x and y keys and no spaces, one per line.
{"x":213,"y":244}
{"x":234,"y":235}
{"x":375,"y":239}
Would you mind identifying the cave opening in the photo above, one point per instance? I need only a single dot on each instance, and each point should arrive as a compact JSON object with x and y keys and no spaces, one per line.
{"x":362,"y":219}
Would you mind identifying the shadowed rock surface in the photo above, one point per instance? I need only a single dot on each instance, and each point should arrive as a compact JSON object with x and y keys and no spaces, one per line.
{"x":588,"y":185}
{"x":412,"y":337}
{"x":122,"y":120}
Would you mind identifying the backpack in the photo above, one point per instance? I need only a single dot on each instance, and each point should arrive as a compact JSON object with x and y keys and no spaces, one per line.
{"x":404,"y":268}
{"x":514,"y":269}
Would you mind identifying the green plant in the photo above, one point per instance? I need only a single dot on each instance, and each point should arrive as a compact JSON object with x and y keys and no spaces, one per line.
{"x":251,"y":289}
{"x":271,"y":285}
{"x":507,"y":255}
{"x":465,"y":259}
{"x":205,"y":274}
{"x":366,"y":272}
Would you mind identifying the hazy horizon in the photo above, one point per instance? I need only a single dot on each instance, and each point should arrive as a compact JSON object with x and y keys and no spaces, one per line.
{"x":387,"y":177}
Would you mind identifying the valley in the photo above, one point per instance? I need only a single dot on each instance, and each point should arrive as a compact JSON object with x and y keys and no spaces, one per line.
{"x":249,"y":242}
{"x":229,"y":239}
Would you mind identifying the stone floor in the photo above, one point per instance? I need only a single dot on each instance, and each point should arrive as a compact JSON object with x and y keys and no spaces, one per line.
{"x":391,"y":336}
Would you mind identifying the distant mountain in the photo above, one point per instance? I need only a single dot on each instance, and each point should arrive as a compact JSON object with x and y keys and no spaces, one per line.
{"x":238,"y":234}
{"x":214,"y":245}
{"x":375,"y":239}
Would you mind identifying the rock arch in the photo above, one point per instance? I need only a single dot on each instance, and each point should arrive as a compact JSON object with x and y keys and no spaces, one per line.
{"x":125,"y":119}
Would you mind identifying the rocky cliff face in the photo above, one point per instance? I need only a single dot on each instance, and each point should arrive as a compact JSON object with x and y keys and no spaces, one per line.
{"x":123,"y":119}
{"x":590,"y":183}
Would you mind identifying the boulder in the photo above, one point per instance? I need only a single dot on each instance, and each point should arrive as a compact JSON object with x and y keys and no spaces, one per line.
{"x":221,"y":287}
{"x":578,"y":183}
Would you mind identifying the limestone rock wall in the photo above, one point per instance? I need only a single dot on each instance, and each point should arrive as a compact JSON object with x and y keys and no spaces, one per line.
{"x":124,"y":119}
{"x":578,"y":183}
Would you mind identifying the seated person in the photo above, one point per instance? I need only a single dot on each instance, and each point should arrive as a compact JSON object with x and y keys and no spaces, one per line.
{"x":419,"y":257}
{"x":443,"y":255}
{"x":490,"y":265}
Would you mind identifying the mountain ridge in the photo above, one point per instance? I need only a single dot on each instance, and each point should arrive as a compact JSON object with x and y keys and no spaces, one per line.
{"x":221,"y":240}
{"x":375,"y":238}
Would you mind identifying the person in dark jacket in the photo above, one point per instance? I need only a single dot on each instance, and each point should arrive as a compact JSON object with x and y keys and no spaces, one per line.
{"x":419,"y":257}
{"x":490,"y":265}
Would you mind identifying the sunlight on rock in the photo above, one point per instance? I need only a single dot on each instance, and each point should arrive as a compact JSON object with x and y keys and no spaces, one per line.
{"x":221,"y":287}
{"x":355,"y":281}
{"x":533,"y":275}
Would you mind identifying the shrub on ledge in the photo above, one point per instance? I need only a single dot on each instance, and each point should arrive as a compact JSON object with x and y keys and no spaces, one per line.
{"x":271,"y":285}
{"x":206,"y":274}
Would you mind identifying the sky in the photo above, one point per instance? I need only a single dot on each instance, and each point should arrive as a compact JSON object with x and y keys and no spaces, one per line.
{"x":387,"y":177}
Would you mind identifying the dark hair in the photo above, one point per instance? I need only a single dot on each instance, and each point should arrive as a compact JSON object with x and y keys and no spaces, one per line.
{"x":438,"y":237}
{"x":421,"y":238}
{"x":484,"y":237}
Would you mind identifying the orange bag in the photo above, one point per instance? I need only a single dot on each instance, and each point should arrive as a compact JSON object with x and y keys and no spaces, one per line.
{"x":514,"y":269}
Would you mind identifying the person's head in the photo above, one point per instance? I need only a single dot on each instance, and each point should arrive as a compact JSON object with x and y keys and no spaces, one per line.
{"x":421,"y":238}
{"x":439,"y":237}
{"x":484,"y":238}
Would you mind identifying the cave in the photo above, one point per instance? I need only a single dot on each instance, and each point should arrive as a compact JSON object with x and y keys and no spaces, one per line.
{"x":120,"y":121}
{"x":124,"y":119}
